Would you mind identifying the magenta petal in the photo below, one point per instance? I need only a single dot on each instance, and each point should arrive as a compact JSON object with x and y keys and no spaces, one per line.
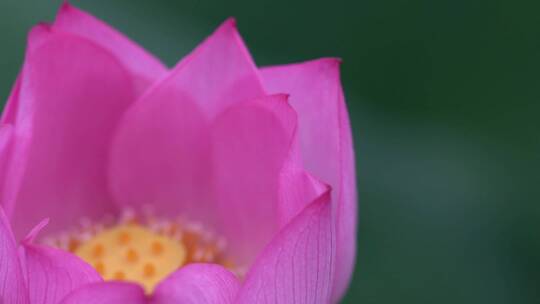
{"x":5,"y":138}
{"x":297,"y":188}
{"x":173,"y":172}
{"x":198,"y":284}
{"x":250,"y":142}
{"x":71,"y":96}
{"x":160,"y":154}
{"x":143,"y":66}
{"x":6,"y":132}
{"x":12,"y":158}
{"x":53,"y":273}
{"x":219,"y":72}
{"x":12,"y":287}
{"x":326,"y":144}
{"x":107,"y":293}
{"x":298,"y":265}
{"x":9,"y":112}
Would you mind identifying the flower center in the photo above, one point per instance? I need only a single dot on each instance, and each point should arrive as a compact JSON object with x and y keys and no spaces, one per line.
{"x":144,"y":251}
{"x":133,"y":253}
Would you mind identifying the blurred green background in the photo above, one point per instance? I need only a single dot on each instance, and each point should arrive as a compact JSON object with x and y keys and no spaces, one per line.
{"x":444,"y":100}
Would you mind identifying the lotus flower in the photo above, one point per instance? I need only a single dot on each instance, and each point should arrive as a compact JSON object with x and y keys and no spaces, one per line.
{"x":213,"y":182}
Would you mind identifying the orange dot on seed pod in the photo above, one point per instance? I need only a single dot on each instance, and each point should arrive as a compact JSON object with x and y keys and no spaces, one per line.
{"x":100,"y":268}
{"x":132,"y":256}
{"x":149,"y":270}
{"x":97,"y":251}
{"x":124,"y":238}
{"x":157,"y":248}
{"x":119,"y":275}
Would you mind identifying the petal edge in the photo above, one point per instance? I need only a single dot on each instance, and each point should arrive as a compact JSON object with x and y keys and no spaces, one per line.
{"x":326,"y":145}
{"x":198,"y":284}
{"x":145,"y":67}
{"x":298,"y":265}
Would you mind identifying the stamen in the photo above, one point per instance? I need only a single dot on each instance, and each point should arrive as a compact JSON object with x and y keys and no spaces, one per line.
{"x":143,"y":251}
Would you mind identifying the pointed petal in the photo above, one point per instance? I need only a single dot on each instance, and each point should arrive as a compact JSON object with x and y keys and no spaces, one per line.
{"x":326,"y":144}
{"x":298,"y":265}
{"x":143,"y":66}
{"x":12,"y":288}
{"x":106,"y":293}
{"x":53,"y":273}
{"x":71,"y":96}
{"x":198,"y":284}
{"x":250,"y":145}
{"x":218,"y":73}
{"x":173,"y":173}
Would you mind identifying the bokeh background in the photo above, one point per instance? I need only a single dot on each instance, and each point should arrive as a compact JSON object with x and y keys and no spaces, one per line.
{"x":444,"y":98}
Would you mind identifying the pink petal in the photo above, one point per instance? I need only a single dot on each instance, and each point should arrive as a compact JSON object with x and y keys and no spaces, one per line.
{"x":297,"y":188}
{"x":53,"y":273}
{"x":9,"y":112}
{"x":160,"y":155}
{"x":172,"y":170}
{"x":12,"y":167}
{"x":218,"y":73}
{"x":144,"y":67}
{"x":107,"y":293}
{"x":71,"y":96}
{"x":12,"y":157}
{"x":12,"y":288}
{"x":6,"y":132}
{"x":250,"y":144}
{"x":198,"y":284}
{"x":298,"y":265}
{"x":326,"y":145}
{"x":6,"y":136}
